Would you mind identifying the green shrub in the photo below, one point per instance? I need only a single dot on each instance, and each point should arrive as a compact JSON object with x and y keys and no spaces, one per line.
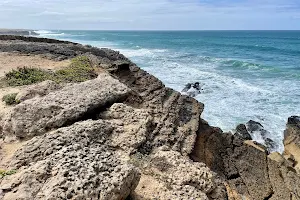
{"x":79,"y":70}
{"x":26,"y":76}
{"x":10,"y":99}
{"x":7,"y":173}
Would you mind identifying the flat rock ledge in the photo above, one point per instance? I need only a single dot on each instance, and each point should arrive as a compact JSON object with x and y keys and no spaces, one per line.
{"x":59,"y":108}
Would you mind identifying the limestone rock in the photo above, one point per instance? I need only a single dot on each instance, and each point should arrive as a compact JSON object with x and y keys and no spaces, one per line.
{"x":250,"y":172}
{"x":72,"y":103}
{"x":74,"y":162}
{"x":243,"y":165}
{"x":38,"y":90}
{"x":132,"y":126}
{"x":283,"y":177}
{"x":175,"y":117}
{"x":176,"y":177}
{"x":138,"y":116}
{"x":292,"y":140}
{"x":55,"y":49}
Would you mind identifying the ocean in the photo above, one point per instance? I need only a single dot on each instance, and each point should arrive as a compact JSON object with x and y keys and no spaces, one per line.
{"x":247,"y":75}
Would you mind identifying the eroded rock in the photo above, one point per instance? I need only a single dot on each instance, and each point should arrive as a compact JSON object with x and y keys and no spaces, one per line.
{"x":176,"y":177}
{"x":75,"y":162}
{"x":38,"y":90}
{"x":175,"y":117}
{"x":242,"y":132}
{"x":292,"y":141}
{"x":247,"y":167}
{"x":133,"y":126}
{"x":41,"y":114}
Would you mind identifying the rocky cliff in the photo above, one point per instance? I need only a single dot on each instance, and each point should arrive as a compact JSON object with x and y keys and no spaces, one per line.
{"x":124,"y":135}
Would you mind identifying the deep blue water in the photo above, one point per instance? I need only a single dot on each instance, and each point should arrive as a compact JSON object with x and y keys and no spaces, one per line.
{"x":246,"y":74}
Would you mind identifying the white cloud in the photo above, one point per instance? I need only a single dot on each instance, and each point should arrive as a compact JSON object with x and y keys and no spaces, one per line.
{"x":154,"y":14}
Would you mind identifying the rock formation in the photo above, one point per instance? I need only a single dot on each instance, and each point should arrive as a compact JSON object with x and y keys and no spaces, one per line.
{"x":72,"y":162}
{"x":251,"y":128}
{"x":17,"y":32}
{"x":292,"y":142}
{"x":126,"y":135}
{"x":250,"y":171}
{"x":63,"y":107}
{"x":242,"y":132}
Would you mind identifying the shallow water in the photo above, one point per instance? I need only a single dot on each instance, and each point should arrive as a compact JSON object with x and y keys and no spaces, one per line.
{"x":246,"y":74}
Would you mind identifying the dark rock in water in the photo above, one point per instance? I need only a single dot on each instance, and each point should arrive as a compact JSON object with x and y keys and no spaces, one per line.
{"x":192,"y":89}
{"x":294,"y":120}
{"x":270,"y":144}
{"x":242,"y":133}
{"x":197,"y":86}
{"x":187,"y":87}
{"x":254,"y":126}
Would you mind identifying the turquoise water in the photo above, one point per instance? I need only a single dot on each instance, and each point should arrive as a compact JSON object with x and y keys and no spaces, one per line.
{"x":246,"y":74}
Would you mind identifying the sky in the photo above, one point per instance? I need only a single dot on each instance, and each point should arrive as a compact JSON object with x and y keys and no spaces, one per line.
{"x":151,"y":14}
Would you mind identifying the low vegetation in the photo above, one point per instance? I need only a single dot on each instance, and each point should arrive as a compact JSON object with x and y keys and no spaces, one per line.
{"x":26,"y":76}
{"x":10,"y":99}
{"x":4,"y":173}
{"x":79,"y":70}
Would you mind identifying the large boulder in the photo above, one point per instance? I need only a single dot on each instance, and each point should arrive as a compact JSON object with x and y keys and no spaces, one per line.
{"x":176,"y":177}
{"x":256,"y":128}
{"x":253,"y":126}
{"x":59,"y":108}
{"x":242,"y":132}
{"x":74,"y":162}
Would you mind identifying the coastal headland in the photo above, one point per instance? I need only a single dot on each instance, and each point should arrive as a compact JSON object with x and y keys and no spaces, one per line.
{"x":23,"y":32}
{"x":79,"y":122}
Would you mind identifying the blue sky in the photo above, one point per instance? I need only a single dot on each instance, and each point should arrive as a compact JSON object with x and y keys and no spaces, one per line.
{"x":151,"y":15}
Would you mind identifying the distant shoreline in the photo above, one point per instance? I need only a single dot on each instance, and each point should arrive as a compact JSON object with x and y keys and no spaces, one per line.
{"x":21,"y":32}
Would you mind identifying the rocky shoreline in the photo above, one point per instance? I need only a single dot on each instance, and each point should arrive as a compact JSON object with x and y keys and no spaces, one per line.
{"x":124,"y":135}
{"x":19,"y":32}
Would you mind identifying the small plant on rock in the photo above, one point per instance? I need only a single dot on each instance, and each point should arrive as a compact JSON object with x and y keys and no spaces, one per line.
{"x":4,"y":173}
{"x":10,"y":99}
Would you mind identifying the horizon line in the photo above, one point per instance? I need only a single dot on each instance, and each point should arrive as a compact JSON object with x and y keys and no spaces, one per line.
{"x":166,"y":29}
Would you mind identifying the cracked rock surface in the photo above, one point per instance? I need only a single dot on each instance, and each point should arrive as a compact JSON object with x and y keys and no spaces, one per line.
{"x":74,"y":162}
{"x":41,"y":114}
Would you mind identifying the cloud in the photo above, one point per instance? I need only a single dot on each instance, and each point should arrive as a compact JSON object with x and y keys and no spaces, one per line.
{"x":154,"y":14}
{"x":47,"y":13}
